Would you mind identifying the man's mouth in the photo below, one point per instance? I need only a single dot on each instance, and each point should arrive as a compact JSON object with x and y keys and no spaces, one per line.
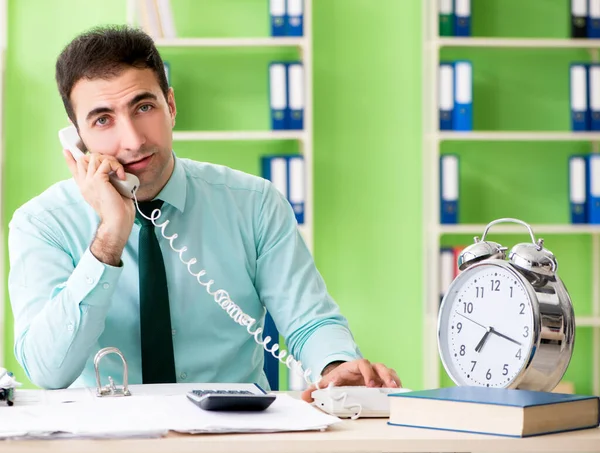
{"x":137,"y":165}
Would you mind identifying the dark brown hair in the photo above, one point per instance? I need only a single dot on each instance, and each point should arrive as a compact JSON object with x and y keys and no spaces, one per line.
{"x":103,"y":52}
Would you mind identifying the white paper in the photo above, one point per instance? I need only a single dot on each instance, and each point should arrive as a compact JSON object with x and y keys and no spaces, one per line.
{"x":151,"y":411}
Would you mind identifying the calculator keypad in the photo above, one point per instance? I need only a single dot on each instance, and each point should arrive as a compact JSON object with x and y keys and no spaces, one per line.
{"x":221,"y":392}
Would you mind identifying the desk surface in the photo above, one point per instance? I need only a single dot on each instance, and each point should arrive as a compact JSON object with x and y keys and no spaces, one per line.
{"x":364,"y":435}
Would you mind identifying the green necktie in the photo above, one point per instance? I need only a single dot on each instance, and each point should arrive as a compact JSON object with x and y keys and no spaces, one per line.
{"x":158,"y":362}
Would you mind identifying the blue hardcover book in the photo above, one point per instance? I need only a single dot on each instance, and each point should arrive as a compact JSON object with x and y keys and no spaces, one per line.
{"x":497,"y":411}
{"x":578,"y":188}
{"x":463,"y":96}
{"x":462,"y":17}
{"x":295,"y":18}
{"x":278,"y":17}
{"x":579,"y":97}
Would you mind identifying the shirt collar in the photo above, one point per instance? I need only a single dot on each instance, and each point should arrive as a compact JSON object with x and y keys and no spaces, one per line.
{"x":176,"y":188}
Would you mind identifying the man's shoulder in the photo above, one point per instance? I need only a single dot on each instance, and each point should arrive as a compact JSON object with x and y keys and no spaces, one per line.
{"x":60,"y":196}
{"x":215,"y":175}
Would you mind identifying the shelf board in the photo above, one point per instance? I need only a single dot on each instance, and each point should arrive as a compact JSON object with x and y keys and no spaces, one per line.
{"x":525,"y":136}
{"x":525,"y":43}
{"x":237,"y":135}
{"x":587,"y":321}
{"x":230,"y":42}
{"x":540,"y":229}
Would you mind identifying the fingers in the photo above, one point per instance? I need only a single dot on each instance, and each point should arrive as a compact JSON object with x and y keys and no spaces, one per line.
{"x":368,"y":373}
{"x":387,"y":375}
{"x":115,"y":166}
{"x":93,"y":164}
{"x":306,"y":394}
{"x":105,"y":164}
{"x":81,"y":168}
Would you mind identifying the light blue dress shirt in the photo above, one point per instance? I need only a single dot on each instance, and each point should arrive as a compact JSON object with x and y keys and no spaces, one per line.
{"x":67,"y":305}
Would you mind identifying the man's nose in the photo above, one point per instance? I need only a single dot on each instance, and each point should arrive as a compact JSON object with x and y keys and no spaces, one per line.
{"x":132,"y":138}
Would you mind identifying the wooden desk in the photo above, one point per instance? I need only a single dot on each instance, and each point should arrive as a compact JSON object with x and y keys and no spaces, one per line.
{"x":365,"y":435}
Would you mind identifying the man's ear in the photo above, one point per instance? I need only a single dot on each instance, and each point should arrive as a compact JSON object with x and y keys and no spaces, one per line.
{"x":172,"y":106}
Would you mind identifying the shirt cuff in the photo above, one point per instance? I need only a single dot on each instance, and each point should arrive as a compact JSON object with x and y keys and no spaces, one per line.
{"x":328,"y":344}
{"x":92,"y":281}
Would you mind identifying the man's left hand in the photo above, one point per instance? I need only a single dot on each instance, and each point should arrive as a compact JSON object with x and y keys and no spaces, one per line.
{"x":357,"y":372}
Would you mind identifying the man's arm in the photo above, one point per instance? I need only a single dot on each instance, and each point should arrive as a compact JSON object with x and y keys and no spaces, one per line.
{"x":59,"y":308}
{"x":294,"y":292}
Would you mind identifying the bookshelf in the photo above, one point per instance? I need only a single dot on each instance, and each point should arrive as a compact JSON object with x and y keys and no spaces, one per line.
{"x":516,"y":43}
{"x":3,"y":47}
{"x":231,"y":42}
{"x":518,"y":136}
{"x":238,"y":135}
{"x":433,"y":141}
{"x":304,"y":138}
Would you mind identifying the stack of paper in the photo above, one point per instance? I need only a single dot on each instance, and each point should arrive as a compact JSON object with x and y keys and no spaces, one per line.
{"x":149,"y":412}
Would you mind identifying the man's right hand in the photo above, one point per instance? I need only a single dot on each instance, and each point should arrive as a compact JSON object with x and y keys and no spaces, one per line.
{"x":116,"y":212}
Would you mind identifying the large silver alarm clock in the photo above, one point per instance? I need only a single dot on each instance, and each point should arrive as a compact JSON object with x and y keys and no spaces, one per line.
{"x":506,"y":322}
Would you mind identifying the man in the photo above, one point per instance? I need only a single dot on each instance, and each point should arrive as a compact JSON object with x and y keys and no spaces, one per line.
{"x":87,"y":271}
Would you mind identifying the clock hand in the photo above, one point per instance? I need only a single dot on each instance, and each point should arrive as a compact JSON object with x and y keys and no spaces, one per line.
{"x":483,"y":339}
{"x":504,"y":336}
{"x":474,"y":322}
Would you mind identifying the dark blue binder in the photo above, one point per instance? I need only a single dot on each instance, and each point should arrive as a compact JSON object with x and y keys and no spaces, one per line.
{"x":278,"y":17}
{"x":578,"y":188}
{"x":278,"y":95}
{"x":463,"y":96}
{"x":446,"y":95}
{"x":462,"y":17}
{"x":449,"y":188}
{"x":295,"y":18}
{"x":295,"y":84}
{"x":579,"y":96}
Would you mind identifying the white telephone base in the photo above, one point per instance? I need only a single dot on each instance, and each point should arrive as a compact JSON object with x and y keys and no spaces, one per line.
{"x":355,"y":401}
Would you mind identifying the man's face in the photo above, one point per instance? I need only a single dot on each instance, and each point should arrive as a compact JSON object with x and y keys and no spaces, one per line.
{"x":127,"y":116}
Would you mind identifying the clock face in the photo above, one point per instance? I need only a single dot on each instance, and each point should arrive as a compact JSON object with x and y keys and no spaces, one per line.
{"x":486,"y":327}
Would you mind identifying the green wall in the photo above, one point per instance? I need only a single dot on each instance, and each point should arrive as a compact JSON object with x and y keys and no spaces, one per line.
{"x":367,"y":138}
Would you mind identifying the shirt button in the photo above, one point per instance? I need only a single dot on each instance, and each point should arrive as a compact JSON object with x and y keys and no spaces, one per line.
{"x":106,"y":286}
{"x":183,"y":375}
{"x":173,"y":331}
{"x":70,"y":328}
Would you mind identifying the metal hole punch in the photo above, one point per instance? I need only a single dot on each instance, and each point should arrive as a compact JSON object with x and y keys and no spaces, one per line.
{"x":111,"y":389}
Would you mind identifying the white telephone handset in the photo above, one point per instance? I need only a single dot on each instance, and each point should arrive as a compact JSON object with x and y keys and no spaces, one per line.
{"x":69,"y":138}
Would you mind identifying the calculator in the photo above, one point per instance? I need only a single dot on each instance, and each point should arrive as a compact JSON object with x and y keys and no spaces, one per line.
{"x":231,"y":400}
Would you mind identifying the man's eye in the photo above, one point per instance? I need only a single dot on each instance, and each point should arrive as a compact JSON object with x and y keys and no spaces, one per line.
{"x":145,"y":108}
{"x":102,"y":121}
